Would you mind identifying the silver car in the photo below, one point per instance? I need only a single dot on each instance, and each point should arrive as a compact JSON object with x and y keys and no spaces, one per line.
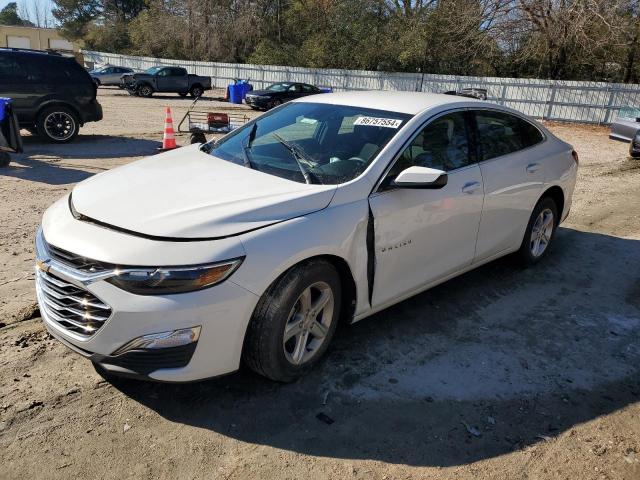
{"x":625,"y":127}
{"x":109,"y":75}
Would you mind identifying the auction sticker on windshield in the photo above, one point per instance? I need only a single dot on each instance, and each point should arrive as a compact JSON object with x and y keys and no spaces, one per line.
{"x":378,"y":122}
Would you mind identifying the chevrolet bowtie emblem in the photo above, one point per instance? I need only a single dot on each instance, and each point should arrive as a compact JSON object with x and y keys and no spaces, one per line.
{"x":42,"y":265}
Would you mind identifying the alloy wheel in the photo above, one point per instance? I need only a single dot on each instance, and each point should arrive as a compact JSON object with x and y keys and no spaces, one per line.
{"x":59,"y":126}
{"x":308,"y":323}
{"x":541,"y":232}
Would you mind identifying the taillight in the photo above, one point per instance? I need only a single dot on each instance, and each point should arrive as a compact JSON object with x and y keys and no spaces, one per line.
{"x":574,"y":154}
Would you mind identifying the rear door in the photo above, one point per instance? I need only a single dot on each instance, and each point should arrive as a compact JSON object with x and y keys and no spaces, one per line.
{"x":513,"y":173}
{"x":14,"y":84}
{"x":423,"y":235}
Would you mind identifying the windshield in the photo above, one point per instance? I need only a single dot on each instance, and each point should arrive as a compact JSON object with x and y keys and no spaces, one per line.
{"x":279,"y":87}
{"x":311,"y":142}
{"x":100,"y":70}
{"x":152,"y":70}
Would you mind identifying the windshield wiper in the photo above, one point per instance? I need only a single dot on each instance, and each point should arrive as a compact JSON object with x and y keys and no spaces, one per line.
{"x":247,"y":147}
{"x":298,"y":156}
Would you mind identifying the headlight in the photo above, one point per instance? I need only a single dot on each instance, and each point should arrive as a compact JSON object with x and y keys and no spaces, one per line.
{"x":168,"y":280}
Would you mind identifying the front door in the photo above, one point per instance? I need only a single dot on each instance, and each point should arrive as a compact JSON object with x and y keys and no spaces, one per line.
{"x":423,"y":235}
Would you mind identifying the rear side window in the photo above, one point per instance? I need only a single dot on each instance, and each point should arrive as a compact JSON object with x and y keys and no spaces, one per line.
{"x":50,"y":69}
{"x":11,"y":71}
{"x":501,"y":133}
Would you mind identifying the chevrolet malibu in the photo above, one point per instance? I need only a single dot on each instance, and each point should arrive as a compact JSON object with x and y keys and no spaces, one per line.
{"x":328,"y":209}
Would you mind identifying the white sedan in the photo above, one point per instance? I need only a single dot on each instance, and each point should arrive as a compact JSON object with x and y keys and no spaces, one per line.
{"x":327,"y":209}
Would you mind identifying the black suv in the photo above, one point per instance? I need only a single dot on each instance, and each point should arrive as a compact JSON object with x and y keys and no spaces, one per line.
{"x":53,"y":96}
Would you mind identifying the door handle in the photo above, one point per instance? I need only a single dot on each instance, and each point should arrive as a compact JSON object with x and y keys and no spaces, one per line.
{"x":470,"y":187}
{"x":533,"y":167}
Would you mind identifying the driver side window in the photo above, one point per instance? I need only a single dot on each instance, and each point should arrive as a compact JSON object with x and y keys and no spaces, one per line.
{"x":443,"y":145}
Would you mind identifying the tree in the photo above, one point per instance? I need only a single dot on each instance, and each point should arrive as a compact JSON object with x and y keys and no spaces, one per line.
{"x":9,"y":16}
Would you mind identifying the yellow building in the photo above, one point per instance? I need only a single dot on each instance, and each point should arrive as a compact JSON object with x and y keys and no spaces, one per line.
{"x":35,"y":38}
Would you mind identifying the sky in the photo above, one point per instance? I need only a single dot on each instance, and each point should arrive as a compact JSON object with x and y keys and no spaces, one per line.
{"x":30,"y":6}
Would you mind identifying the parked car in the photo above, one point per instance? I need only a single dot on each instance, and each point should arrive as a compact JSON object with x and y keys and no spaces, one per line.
{"x":279,"y":93}
{"x":166,"y":79}
{"x":327,"y":209}
{"x":626,"y":125}
{"x":109,"y":75}
{"x":53,"y":96}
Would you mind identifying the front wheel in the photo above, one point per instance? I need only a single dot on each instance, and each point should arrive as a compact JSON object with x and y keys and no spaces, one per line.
{"x":5,"y":159}
{"x":145,"y":91}
{"x":294,"y":322}
{"x":58,"y":124}
{"x":197,"y":138}
{"x":540,"y":231}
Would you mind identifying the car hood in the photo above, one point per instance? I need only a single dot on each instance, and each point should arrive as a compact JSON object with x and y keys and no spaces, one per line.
{"x":262,"y":92}
{"x":188,"y":194}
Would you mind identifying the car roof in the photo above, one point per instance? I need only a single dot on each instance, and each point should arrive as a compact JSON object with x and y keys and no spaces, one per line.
{"x":393,"y":101}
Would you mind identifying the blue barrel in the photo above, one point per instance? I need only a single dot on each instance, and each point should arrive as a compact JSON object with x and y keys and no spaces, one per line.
{"x":4,"y":101}
{"x":235,"y":93}
{"x":246,"y":87}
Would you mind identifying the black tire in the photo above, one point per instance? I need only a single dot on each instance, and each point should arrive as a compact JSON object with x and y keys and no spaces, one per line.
{"x":145,"y":90}
{"x":5,"y":159}
{"x":275,"y":103}
{"x":525,"y":254}
{"x":97,"y":82}
{"x":58,"y":124}
{"x":198,"y":138}
{"x":182,"y":94}
{"x":196,"y":91}
{"x":264,"y":350}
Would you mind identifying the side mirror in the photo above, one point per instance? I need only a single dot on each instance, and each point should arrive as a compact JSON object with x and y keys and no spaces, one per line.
{"x":421,"y":177}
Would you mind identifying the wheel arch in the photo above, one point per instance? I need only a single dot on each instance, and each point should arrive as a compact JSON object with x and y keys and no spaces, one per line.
{"x":347,"y":281}
{"x":556,"y":193}
{"x":58,"y":103}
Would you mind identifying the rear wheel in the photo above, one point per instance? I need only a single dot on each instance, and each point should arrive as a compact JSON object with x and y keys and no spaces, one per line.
{"x":196,"y":91}
{"x":540,"y":231}
{"x":294,"y":322}
{"x":58,"y":124}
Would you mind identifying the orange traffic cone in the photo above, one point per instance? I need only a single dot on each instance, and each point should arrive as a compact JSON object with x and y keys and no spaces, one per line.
{"x":168,"y":139}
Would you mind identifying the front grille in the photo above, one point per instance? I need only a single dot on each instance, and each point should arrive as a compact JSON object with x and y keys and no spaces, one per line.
{"x":77,"y":262}
{"x":72,"y":307}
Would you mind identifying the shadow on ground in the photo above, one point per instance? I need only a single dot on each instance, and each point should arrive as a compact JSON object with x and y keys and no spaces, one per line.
{"x":42,"y":162}
{"x":492,"y":361}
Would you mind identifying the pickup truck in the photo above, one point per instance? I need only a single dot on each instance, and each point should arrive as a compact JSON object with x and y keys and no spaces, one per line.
{"x":165,"y":79}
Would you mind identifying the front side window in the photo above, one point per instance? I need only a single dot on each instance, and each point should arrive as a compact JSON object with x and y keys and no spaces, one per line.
{"x":311,"y":143}
{"x":279,"y":87}
{"x":443,"y":145}
{"x":501,"y":133}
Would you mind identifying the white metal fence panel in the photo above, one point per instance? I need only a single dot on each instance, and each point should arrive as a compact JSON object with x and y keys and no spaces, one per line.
{"x":590,"y":102}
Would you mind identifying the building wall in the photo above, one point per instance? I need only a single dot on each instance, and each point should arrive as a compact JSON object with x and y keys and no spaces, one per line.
{"x":35,"y":38}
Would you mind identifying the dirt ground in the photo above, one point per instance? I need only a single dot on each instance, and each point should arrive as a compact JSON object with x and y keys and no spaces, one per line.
{"x":502,"y":373}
